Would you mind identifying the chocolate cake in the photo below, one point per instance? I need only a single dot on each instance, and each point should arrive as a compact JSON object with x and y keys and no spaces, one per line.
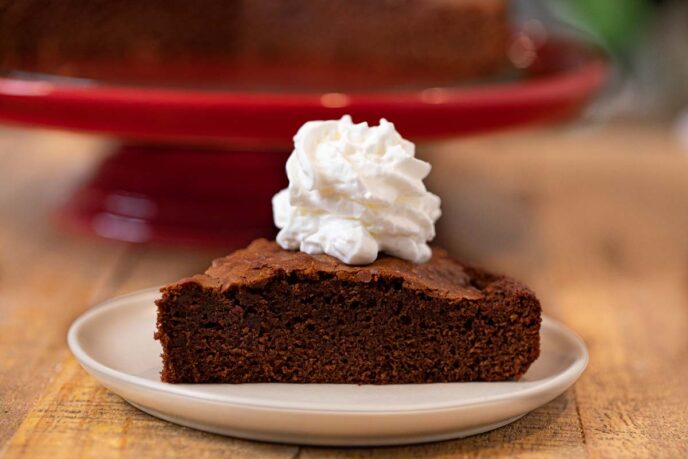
{"x":99,"y":39}
{"x":264,"y":314}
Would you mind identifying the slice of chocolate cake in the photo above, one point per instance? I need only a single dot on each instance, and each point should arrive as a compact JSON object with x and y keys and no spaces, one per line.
{"x":264,"y":314}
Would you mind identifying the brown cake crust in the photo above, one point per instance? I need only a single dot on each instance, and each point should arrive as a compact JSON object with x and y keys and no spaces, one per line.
{"x":263,"y":314}
{"x":128,"y":39}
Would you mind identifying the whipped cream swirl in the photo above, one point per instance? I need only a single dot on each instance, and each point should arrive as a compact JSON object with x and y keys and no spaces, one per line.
{"x":355,"y":190}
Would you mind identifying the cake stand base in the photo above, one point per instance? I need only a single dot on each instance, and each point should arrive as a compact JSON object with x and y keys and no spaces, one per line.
{"x":176,"y":194}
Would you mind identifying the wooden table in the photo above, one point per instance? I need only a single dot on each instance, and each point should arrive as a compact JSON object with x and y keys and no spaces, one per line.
{"x":596,"y":220}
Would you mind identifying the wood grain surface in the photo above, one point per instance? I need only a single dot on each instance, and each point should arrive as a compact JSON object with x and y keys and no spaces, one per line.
{"x":595,"y":220}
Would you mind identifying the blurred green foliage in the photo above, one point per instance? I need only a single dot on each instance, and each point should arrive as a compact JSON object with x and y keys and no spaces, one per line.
{"x":618,"y":22}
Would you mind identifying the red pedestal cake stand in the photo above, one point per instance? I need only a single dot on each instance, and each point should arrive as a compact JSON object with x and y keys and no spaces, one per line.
{"x":201,"y":165}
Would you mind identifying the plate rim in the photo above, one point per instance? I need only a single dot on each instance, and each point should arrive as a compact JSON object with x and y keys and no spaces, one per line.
{"x":567,"y":377}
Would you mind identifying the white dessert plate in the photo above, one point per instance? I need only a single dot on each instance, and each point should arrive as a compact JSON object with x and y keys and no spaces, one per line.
{"x":114,"y":343}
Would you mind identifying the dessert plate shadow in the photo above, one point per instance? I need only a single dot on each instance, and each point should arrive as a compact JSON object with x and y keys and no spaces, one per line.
{"x":114,"y":343}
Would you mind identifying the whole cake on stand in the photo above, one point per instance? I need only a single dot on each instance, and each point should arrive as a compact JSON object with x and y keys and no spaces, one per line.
{"x":206,"y":100}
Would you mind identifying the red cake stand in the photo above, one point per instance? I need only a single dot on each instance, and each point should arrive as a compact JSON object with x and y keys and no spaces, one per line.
{"x":201,"y":165}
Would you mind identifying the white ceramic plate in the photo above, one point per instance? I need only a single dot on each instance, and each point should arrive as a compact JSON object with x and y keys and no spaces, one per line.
{"x":114,"y":343}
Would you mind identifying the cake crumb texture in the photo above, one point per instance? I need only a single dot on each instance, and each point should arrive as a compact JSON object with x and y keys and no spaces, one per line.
{"x":263,"y":314}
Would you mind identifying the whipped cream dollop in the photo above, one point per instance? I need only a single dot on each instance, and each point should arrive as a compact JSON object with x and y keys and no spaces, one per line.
{"x":355,"y":190}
